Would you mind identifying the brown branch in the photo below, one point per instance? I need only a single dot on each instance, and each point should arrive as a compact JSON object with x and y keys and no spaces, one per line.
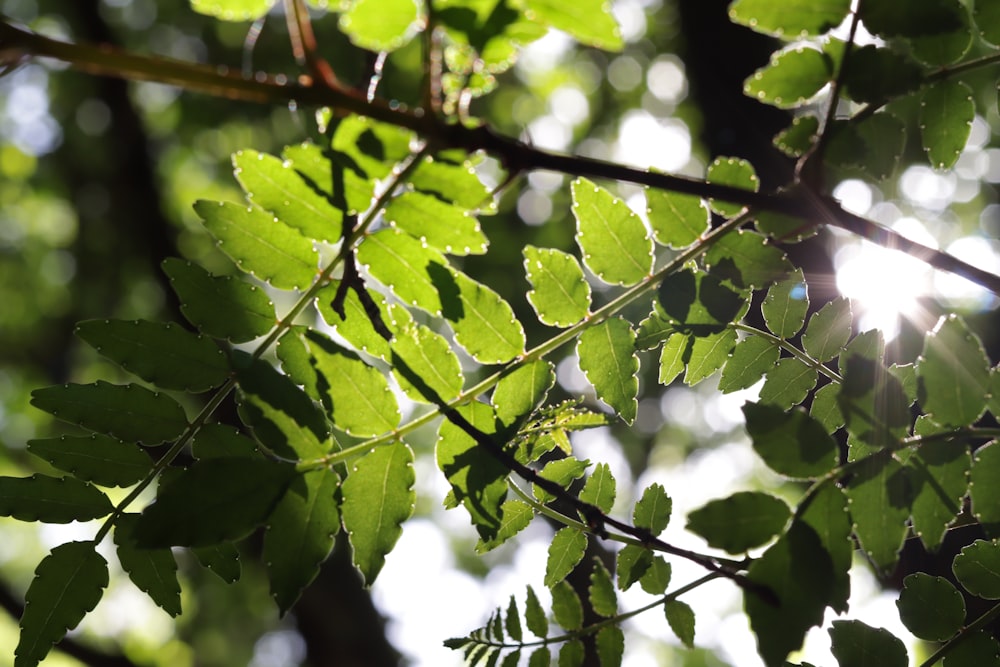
{"x":800,"y":201}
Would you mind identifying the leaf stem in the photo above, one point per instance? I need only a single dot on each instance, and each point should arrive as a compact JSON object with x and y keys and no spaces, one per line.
{"x":965,"y":632}
{"x":794,"y":351}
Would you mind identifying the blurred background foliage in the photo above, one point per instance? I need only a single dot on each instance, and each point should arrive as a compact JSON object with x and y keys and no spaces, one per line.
{"x":97,"y":178}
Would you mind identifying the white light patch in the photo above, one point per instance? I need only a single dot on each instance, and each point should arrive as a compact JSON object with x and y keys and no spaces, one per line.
{"x":646,"y":141}
{"x":979,"y":252}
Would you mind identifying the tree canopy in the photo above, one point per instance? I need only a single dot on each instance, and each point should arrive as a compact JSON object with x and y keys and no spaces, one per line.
{"x":665,"y":297}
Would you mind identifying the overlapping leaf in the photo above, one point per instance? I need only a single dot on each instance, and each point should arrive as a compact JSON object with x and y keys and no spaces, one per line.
{"x":560,"y":295}
{"x":946,"y":113}
{"x":153,"y":571}
{"x":954,"y":374}
{"x":790,"y":19}
{"x":790,"y":78}
{"x":95,"y":458}
{"x":437,"y":223}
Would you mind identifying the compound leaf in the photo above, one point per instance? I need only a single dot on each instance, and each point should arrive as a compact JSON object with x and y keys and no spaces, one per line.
{"x":788,"y":383}
{"x":567,"y":610}
{"x":518,"y":393}
{"x":747,"y":260}
{"x":880,"y":500}
{"x":736,"y":173}
{"x":432,"y":364}
{"x":483,"y":322}
{"x":603,"y":599}
{"x":599,"y":489}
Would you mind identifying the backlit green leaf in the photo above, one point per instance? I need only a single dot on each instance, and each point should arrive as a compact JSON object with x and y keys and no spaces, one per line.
{"x":518,"y":393}
{"x":939,"y":474}
{"x":828,"y":330}
{"x":215,"y":500}
{"x":790,"y":78}
{"x":223,"y":307}
{"x":221,"y":559}
{"x":380,"y":25}
{"x":788,"y":383}
{"x":512,"y":621}
{"x":453,"y":182}
{"x":734,"y":172}
{"x":652,"y":512}
{"x":599,"y":489}
{"x":790,"y":442}
{"x":747,"y":260}
{"x":740,"y":522}
{"x":378,"y":497}
{"x":708,"y":354}
{"x":515,"y":516}
{"x":478,"y":480}
{"x":95,"y":458}
{"x":751,"y":359}
{"x":612,"y":238}
{"x":930,"y":607}
{"x":877,"y":73}
{"x":607,"y":357}
{"x":437,"y":223}
{"x":977,"y":568}
{"x":946,"y":113}
{"x":534,"y":615}
{"x":984,"y":488}
{"x":483,"y":322}
{"x":414,"y":272}
{"x":880,"y":497}
{"x":786,"y":304}
{"x":827,"y":515}
{"x":923,"y":17}
{"x":300,"y":534}
{"x":947,"y":47}
{"x":855,"y":643}
{"x":356,"y":327}
{"x":164,"y":354}
{"x":673,"y":357}
{"x":572,"y":653}
{"x":276,"y":186}
{"x":884,"y":137}
{"x":337,"y":176}
{"x":560,"y":295}
{"x":590,"y":22}
{"x":633,"y":563}
{"x":567,"y":610}
{"x":128,"y":412}
{"x":370,"y":149}
{"x":260,"y":244}
{"x":603,"y":599}
{"x":790,"y":19}
{"x":562,"y":472}
{"x":798,"y":138}
{"x":677,"y":220}
{"x":610,"y":642}
{"x":954,"y":374}
{"x":51,"y":499}
{"x":153,"y":571}
{"x":430,"y":359}
{"x":657,"y":577}
{"x":233,"y":10}
{"x":872,"y":402}
{"x":680,"y":616}
{"x":565,"y":552}
{"x":68,"y":583}
{"x":699,"y":303}
{"x":987,"y":15}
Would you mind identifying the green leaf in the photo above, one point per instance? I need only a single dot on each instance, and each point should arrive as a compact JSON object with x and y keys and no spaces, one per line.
{"x":751,"y":359}
{"x":484,"y":324}
{"x":796,"y":569}
{"x":560,"y":295}
{"x":233,"y":10}
{"x":977,"y":568}
{"x":798,"y":138}
{"x":946,"y":113}
{"x":437,"y":223}
{"x":791,"y":77}
{"x":790,"y":442}
{"x":589,"y":22}
{"x":356,"y":326}
{"x":827,"y":515}
{"x":260,"y":244}
{"x":478,"y":480}
{"x":855,"y":643}
{"x":939,"y":474}
{"x":380,"y":25}
{"x":51,"y":499}
{"x":673,"y":357}
{"x":429,"y":358}
{"x":733,"y":172}
{"x":565,"y":552}
{"x":567,"y":610}
{"x":128,"y":412}
{"x":94,"y":458}
{"x":378,"y":497}
{"x":512,"y":621}
{"x":880,"y":497}
{"x":300,"y":534}
{"x":786,"y":305}
{"x":657,"y":577}
{"x":358,"y":395}
{"x":923,"y":17}
{"x":612,"y":239}
{"x":987,"y":16}
{"x":681,"y":619}
{"x":872,"y":402}
{"x":562,"y":472}
{"x":947,"y":47}
{"x":788,"y":383}
{"x":274,"y":185}
{"x":68,"y":583}
{"x":514,"y":517}
{"x":699,"y":303}
{"x":747,"y":260}
{"x":413,"y":271}
{"x":222,"y":559}
{"x":978,"y":649}
{"x":825,"y":407}
{"x":984,"y":488}
{"x":164,"y":354}
{"x":453,"y":182}
{"x":828,"y":330}
{"x":534,"y":615}
{"x":652,"y":512}
{"x":518,"y":393}
{"x":540,"y":657}
{"x":677,"y":220}
{"x":884,"y":137}
{"x":215,"y":500}
{"x":153,"y":571}
{"x":223,"y":307}
{"x":740,"y":522}
{"x":790,"y":19}
{"x":603,"y":599}
{"x":877,"y":73}
{"x":633,"y":563}
{"x":367,"y":148}
{"x":599,"y":489}
{"x":930,"y":607}
{"x":954,"y":374}
{"x":610,"y":642}
{"x":337,"y":174}
{"x":572,"y":653}
{"x":708,"y":354}
{"x":608,"y":359}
